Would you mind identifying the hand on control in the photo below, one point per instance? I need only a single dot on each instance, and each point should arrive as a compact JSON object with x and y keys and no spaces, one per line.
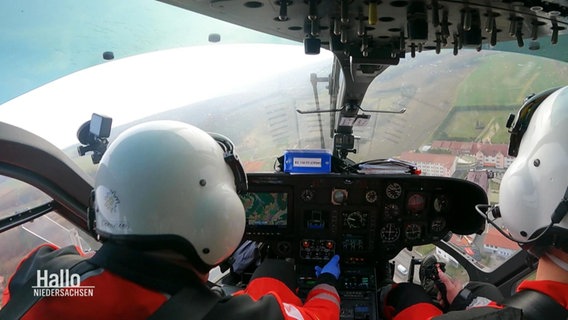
{"x":331,"y":267}
{"x":452,"y":286}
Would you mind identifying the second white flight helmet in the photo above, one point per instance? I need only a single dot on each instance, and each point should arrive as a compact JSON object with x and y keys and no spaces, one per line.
{"x":534,"y":188}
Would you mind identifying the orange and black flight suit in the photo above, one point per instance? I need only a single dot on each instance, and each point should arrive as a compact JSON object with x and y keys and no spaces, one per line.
{"x":128,"y":284}
{"x":411,"y":304}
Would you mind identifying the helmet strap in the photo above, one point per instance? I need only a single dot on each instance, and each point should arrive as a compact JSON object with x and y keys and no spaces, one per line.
{"x":561,"y":209}
{"x":232,"y":160}
{"x":91,"y":217}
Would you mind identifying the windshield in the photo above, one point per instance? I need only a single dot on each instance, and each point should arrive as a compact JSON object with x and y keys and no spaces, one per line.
{"x":136,"y":61}
{"x":42,"y":42}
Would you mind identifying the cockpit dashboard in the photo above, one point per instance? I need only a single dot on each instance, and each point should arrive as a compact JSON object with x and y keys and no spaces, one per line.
{"x":361,"y":217}
{"x":366,"y":219}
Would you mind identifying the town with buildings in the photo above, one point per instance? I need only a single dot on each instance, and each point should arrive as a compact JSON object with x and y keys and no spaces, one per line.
{"x":442,"y":157}
{"x":479,"y":163}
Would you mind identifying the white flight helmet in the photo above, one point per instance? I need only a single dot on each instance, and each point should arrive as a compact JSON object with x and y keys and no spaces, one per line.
{"x":533,"y":189}
{"x":170,"y":182}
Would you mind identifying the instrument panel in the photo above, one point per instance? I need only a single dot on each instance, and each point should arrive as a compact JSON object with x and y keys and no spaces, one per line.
{"x":362,"y":217}
{"x":366,"y":219}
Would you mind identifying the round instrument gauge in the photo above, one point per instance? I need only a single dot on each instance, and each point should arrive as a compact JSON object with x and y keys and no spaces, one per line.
{"x":371,"y":196}
{"x":438,"y":224}
{"x":393,"y":191}
{"x":390,"y":233}
{"x":354,"y":220}
{"x":413,"y":231}
{"x":416,"y":203}
{"x":392,"y":211}
{"x":441,"y":203}
{"x":338,"y":196}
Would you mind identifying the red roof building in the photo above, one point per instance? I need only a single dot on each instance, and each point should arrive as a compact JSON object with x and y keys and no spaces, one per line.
{"x":492,"y":155}
{"x":464,"y":244}
{"x":487,"y":154}
{"x":496,"y":243}
{"x":455,"y":147}
{"x":431,"y":164}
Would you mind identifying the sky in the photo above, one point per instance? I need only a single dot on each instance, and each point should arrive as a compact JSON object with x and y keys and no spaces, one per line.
{"x":134,"y":87}
{"x":41,"y":41}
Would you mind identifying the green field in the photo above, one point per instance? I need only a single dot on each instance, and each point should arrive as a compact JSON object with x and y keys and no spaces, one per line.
{"x":464,"y":124}
{"x":482,"y":117}
{"x":506,"y":79}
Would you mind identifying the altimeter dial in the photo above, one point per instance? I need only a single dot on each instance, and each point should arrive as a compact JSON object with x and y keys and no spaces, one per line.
{"x":393,"y":191}
{"x":390,"y":233}
{"x":438,"y":224}
{"x":413,"y":231}
{"x":354,"y":220}
{"x":371,"y":196}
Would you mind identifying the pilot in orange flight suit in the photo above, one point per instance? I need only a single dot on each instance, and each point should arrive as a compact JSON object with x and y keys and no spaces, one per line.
{"x":533,"y":203}
{"x":167,"y":209}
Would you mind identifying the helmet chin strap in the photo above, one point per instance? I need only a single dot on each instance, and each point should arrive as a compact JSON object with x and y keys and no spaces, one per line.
{"x":557,"y":261}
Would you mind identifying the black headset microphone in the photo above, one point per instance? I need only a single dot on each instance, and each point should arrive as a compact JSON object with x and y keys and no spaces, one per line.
{"x":557,"y":216}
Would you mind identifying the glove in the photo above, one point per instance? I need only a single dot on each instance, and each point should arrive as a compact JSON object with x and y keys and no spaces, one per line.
{"x":244,"y":257}
{"x":331,"y":267}
{"x":394,"y":298}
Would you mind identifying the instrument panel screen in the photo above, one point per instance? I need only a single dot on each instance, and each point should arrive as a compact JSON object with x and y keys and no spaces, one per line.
{"x":266,"y":209}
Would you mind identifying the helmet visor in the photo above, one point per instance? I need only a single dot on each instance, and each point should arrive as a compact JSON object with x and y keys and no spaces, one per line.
{"x":518,"y":124}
